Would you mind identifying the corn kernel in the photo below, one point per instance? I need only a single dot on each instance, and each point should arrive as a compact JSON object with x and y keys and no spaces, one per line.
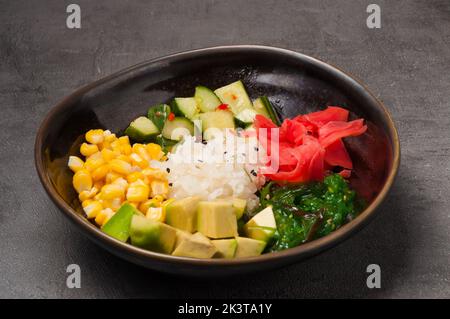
{"x":138,"y":161}
{"x":82,"y":181}
{"x":133,"y":177}
{"x":124,"y":140}
{"x":107,"y":154}
{"x":92,"y":209}
{"x":144,"y":206}
{"x":100,"y":172}
{"x":120,"y":166}
{"x":141,"y":151}
{"x":154,"y":173}
{"x":113,"y":204}
{"x":95,"y":136}
{"x":111,"y":177}
{"x":125,"y":149}
{"x":103,"y":216}
{"x":93,"y":162}
{"x":110,"y":138}
{"x":155,"y":151}
{"x":115,"y":145}
{"x":88,"y":149}
{"x":99,"y":184}
{"x":137,"y":193}
{"x":75,"y":163}
{"x":156,"y":214}
{"x":84,"y":195}
{"x":159,"y":188}
{"x":111,"y":191}
{"x":121,"y":182}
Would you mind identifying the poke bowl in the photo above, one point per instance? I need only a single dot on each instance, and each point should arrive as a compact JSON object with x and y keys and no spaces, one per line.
{"x":219,"y":161}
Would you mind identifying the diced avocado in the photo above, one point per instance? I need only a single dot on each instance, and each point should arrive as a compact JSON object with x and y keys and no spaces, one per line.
{"x":118,"y":226}
{"x":220,"y":120}
{"x":158,"y":115}
{"x":206,"y":99}
{"x":182,"y":213}
{"x":177,"y":128}
{"x":181,"y":235}
{"x":142,"y":130}
{"x":247,"y":247}
{"x":262,"y":226}
{"x":235,"y":96}
{"x":152,"y":235}
{"x":239,"y":206}
{"x":226,"y":248}
{"x":216,"y":219}
{"x":195,"y":246}
{"x":185,"y":106}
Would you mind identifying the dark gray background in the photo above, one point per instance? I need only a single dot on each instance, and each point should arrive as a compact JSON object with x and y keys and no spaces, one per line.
{"x":406,"y":63}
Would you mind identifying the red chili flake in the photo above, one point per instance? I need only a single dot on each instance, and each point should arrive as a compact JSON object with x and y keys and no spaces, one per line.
{"x":171,"y":117}
{"x":223,"y":107}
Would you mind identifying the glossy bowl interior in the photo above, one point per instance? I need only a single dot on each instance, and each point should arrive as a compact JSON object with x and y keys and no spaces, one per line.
{"x":295,"y":83}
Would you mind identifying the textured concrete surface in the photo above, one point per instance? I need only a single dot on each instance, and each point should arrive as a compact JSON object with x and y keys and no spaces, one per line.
{"x":406,"y":63}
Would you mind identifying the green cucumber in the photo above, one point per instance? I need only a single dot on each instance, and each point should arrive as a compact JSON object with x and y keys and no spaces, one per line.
{"x":142,"y":130}
{"x":166,"y":144}
{"x":158,"y":114}
{"x":219,"y":119}
{"x":263,"y":106}
{"x":118,"y":226}
{"x":185,"y":106}
{"x":245,"y":118}
{"x":235,"y":96}
{"x":177,"y":128}
{"x":206,"y":99}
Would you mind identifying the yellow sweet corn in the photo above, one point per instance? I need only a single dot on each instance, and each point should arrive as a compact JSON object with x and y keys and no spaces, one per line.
{"x":99,"y":184}
{"x":111,"y":177}
{"x":141,"y":151}
{"x":138,"y":161}
{"x":92,"y":209}
{"x":93,"y":162}
{"x":159,"y":198}
{"x":144,"y":206}
{"x":138,"y":192}
{"x":107,"y":154}
{"x":155,"y":151}
{"x":124,"y":140}
{"x":88,"y":149}
{"x":95,"y":136}
{"x":75,"y":163}
{"x":100,"y":172}
{"x":113,"y":204}
{"x":82,"y":181}
{"x":156,"y":214}
{"x":125,"y":149}
{"x":111,"y":191}
{"x":84,"y":195}
{"x":121,"y":182}
{"x":159,"y":188}
{"x":154,"y":173}
{"x":120,"y":166}
{"x":103,"y":216}
{"x":133,"y":177}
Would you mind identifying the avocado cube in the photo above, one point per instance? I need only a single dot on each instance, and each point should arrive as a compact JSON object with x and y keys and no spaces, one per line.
{"x":262,"y":226}
{"x":239,"y":206}
{"x":152,"y":235}
{"x":226,"y":248}
{"x":182,"y":213}
{"x":247,"y":247}
{"x":217,"y":219}
{"x":118,"y":226}
{"x":181,"y":235}
{"x":195,"y":246}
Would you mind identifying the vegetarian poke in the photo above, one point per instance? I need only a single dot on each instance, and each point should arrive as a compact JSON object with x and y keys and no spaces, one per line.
{"x":217,"y":175}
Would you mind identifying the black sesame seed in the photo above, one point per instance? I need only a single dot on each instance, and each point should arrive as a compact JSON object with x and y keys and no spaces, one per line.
{"x":256,"y":149}
{"x":168,"y":170}
{"x":170,"y":184}
{"x":204,"y":142}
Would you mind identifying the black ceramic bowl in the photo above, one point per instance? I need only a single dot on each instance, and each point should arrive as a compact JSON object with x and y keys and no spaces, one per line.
{"x":294,"y":82}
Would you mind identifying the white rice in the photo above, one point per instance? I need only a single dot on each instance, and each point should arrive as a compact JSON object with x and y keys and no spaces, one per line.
{"x":225,"y":167}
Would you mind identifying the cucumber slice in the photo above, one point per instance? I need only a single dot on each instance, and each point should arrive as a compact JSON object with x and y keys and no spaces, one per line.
{"x":166,"y":144}
{"x":206,"y":99}
{"x":235,"y":96}
{"x":142,"y":130}
{"x":245,"y":118}
{"x":219,"y":119}
{"x":263,"y":106}
{"x":185,"y":106}
{"x":158,"y":114}
{"x":177,"y":128}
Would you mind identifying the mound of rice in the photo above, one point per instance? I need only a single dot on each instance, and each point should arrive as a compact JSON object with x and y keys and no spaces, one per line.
{"x":224,"y":167}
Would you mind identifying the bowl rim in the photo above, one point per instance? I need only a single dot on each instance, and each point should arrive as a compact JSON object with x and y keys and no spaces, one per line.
{"x":301,"y":251}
